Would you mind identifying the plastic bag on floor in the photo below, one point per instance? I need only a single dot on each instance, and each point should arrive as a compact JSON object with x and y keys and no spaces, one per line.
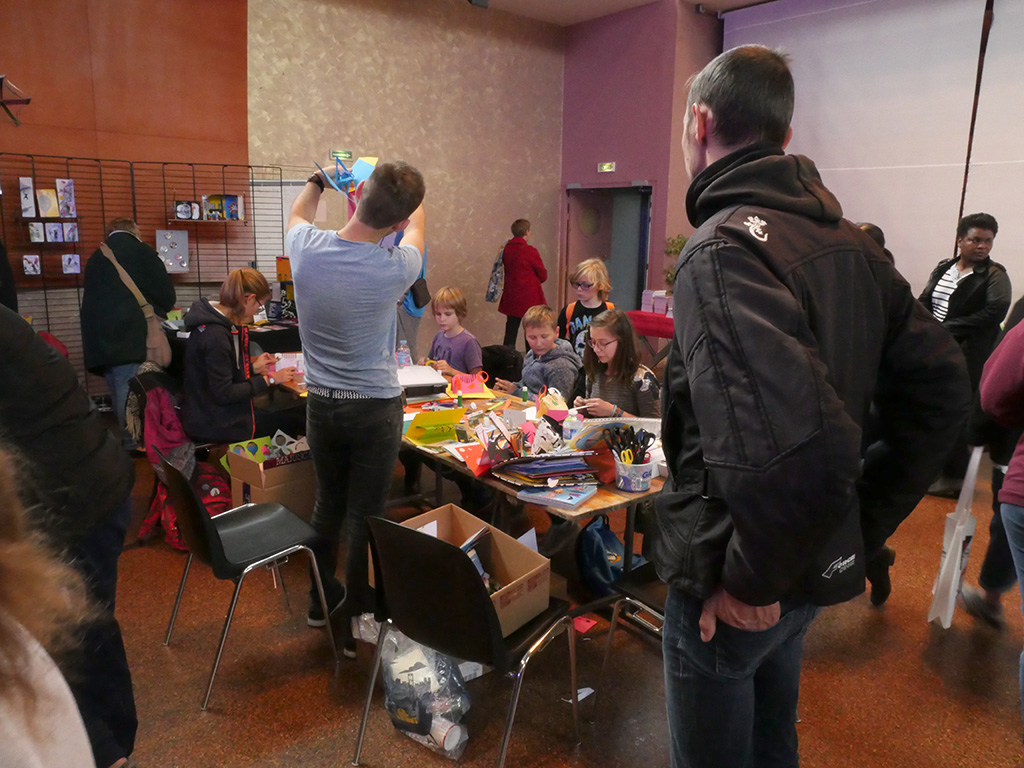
{"x":425,"y":695}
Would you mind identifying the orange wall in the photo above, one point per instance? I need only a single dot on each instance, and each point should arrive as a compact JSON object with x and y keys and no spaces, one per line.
{"x":161,"y":80}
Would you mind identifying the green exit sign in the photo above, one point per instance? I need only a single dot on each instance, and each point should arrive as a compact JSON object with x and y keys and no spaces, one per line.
{"x":341,"y":154}
{"x":606,"y":167}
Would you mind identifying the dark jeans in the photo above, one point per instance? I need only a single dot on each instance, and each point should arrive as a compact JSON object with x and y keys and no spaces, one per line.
{"x":98,"y":674}
{"x":511,"y":330}
{"x":997,"y":571}
{"x":355,"y":446}
{"x":732,"y":701}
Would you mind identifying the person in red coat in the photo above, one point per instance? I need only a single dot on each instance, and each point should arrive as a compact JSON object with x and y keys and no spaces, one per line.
{"x":524,"y":273}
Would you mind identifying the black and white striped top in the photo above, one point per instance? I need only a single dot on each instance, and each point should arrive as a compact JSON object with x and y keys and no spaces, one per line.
{"x":944,"y":289}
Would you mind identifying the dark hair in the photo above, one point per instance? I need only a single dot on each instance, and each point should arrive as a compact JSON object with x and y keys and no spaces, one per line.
{"x":390,"y":195}
{"x":874,"y":232}
{"x":626,"y":359}
{"x":124,"y":225}
{"x":520,"y":228}
{"x":749,"y":91}
{"x":977,"y":221}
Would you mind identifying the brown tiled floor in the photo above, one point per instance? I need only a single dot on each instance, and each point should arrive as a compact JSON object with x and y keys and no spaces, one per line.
{"x":879,"y":688}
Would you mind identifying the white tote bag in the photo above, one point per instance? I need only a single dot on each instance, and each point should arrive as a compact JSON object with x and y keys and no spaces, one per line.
{"x":956,"y":546}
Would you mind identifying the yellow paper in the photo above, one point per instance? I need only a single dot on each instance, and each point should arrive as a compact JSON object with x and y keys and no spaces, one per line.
{"x":430,"y":427}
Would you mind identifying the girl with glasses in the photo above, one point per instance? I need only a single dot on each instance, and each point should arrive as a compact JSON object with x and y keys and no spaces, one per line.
{"x":617,"y":384}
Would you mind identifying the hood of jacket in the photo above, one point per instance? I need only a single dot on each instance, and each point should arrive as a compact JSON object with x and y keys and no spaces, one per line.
{"x":202,"y":313}
{"x":562,"y":350}
{"x":761,"y":175}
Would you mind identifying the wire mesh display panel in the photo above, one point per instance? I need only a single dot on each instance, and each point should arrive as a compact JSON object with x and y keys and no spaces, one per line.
{"x":249,"y":230}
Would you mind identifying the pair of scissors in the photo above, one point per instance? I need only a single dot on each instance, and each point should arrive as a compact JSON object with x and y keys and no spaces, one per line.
{"x":626,"y":456}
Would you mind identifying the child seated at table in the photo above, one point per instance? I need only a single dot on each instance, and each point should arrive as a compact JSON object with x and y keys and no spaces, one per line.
{"x":617,"y":385}
{"x":551,"y":362}
{"x":592,"y":285}
{"x":454,"y":349}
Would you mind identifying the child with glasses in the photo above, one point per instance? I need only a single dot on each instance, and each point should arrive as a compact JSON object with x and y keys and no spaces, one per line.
{"x":617,"y":384}
{"x":592,"y":285}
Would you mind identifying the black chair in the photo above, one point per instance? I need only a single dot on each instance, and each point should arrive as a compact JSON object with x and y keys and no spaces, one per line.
{"x":234,"y":543}
{"x":431,"y":591}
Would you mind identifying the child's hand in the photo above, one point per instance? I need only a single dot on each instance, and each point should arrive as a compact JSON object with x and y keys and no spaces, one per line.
{"x":504,"y":386}
{"x":421,"y":361}
{"x":261,"y":363}
{"x":596,"y":407}
{"x":442,"y":366}
{"x":285,"y":375}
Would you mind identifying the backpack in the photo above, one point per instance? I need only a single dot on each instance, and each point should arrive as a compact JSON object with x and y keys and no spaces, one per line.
{"x":501,"y":362}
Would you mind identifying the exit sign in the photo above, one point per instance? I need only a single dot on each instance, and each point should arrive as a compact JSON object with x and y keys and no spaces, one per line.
{"x":606,"y":167}
{"x":341,"y":154}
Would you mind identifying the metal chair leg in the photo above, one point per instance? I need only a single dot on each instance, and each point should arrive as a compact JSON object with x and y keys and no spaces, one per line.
{"x":385,"y":625}
{"x":278,"y":578}
{"x":607,"y":654}
{"x":223,"y":637}
{"x":507,"y":737}
{"x":572,"y":678}
{"x":323,"y":602}
{"x":177,"y":601}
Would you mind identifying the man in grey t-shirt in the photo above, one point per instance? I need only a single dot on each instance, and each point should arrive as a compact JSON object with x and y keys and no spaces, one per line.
{"x":346,"y":288}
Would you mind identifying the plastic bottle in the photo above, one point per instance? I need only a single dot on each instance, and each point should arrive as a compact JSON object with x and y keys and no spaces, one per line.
{"x":571,"y":425}
{"x":403,"y":355}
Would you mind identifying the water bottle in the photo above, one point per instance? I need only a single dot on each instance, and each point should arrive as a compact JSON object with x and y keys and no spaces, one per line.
{"x":403,"y":355}
{"x":571,"y":425}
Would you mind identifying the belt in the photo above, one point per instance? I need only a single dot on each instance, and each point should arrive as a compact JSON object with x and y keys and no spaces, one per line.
{"x":336,"y":394}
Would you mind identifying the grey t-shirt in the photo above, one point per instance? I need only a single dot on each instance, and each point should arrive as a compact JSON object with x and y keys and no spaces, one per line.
{"x":346,"y":293}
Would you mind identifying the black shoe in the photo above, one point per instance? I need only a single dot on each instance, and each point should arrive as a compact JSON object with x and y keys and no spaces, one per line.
{"x":341,"y":625}
{"x":315,"y":618}
{"x":877,"y":572}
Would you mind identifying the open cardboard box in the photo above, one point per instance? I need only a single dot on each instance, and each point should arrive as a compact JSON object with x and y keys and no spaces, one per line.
{"x":288,"y":480}
{"x":524,"y":574}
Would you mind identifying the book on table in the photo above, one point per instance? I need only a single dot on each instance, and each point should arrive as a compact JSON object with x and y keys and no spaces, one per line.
{"x":563,"y":496}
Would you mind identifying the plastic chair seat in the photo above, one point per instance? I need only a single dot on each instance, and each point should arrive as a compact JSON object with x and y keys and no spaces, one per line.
{"x":254,"y":532}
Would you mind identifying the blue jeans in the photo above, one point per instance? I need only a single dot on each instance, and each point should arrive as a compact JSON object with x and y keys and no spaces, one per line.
{"x":100,"y":679}
{"x":1013,"y":522}
{"x":117,"y":377}
{"x":732,"y":701}
{"x":355,"y":448}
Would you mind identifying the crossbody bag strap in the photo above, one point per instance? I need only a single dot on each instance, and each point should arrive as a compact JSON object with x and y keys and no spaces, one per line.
{"x":127,"y":280}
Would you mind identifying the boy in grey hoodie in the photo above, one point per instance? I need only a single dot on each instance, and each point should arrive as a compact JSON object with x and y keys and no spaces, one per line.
{"x":551,"y":361}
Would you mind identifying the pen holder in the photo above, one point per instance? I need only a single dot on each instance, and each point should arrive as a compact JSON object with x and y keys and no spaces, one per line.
{"x":634,"y":478}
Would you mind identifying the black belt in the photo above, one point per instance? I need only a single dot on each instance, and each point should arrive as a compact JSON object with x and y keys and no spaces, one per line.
{"x":336,"y":394}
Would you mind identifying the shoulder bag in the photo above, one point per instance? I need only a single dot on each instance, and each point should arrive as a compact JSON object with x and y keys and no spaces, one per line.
{"x":158,"y":349}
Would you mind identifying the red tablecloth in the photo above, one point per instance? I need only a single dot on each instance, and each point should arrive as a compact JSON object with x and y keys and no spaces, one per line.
{"x":651,"y":324}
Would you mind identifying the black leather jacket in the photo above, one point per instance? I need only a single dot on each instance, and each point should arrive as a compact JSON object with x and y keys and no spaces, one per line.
{"x":790,"y":323}
{"x":976,"y":308}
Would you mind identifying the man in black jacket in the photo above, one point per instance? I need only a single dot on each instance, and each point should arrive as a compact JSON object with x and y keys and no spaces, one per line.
{"x":790,"y":323}
{"x":113,"y":326}
{"x":78,"y":485}
{"x":969,"y":294}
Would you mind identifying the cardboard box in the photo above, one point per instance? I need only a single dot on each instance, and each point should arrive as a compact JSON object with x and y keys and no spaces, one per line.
{"x":288,"y":480}
{"x":525,"y":574}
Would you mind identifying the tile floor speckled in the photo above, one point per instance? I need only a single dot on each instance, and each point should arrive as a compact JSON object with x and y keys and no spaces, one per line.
{"x":879,"y":689}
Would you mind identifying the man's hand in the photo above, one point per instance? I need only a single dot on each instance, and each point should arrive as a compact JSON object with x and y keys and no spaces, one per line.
{"x":260,"y":364}
{"x":733,"y":612}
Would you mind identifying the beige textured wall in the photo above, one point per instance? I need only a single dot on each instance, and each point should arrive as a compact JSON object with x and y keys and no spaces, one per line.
{"x":473,"y":98}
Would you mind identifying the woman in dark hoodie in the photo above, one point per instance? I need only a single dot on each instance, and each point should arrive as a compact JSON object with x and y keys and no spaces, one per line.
{"x":221,"y":378}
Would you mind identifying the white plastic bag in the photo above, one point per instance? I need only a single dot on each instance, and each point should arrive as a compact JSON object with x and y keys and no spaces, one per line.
{"x":956,"y":547}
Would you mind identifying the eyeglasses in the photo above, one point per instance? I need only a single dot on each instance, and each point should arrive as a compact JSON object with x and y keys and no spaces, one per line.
{"x":583,"y":286}
{"x":601,"y":345}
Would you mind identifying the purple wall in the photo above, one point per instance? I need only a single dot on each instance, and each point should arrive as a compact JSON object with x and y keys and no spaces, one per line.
{"x":619,"y":78}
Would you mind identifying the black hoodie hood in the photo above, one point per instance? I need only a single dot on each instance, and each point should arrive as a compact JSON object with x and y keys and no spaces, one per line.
{"x":202,"y":313}
{"x":761,"y":175}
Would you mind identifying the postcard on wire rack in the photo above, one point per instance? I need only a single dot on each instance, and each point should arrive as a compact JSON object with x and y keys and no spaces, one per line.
{"x":27,"y":195}
{"x":36,"y":233}
{"x":54,"y":232}
{"x":70,"y":232}
{"x":66,"y":198}
{"x":47,"y":199}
